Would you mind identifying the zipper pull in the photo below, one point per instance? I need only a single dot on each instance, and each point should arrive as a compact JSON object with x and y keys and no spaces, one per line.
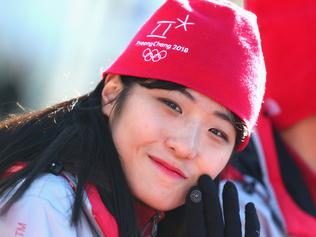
{"x":154,"y":230}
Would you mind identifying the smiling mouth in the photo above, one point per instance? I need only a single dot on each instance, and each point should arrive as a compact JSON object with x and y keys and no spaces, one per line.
{"x":167,"y":168}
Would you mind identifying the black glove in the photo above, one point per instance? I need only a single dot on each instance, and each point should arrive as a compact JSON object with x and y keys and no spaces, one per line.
{"x":203,"y":212}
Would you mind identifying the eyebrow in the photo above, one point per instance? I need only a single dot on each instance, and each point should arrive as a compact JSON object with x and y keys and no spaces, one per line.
{"x":227,"y":116}
{"x":187,"y":94}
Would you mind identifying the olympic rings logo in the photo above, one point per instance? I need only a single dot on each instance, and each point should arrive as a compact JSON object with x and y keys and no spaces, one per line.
{"x":154,"y":55}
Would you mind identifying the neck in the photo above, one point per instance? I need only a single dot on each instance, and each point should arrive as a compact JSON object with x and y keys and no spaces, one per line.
{"x":301,"y":138}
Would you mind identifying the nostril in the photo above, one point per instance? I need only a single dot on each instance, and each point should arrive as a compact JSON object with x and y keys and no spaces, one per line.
{"x":172,"y":148}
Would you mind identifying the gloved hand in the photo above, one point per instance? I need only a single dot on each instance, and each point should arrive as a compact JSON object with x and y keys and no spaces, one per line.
{"x":203,"y":212}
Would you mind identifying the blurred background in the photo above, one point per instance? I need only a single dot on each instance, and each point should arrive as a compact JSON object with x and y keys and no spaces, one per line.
{"x":51,"y":51}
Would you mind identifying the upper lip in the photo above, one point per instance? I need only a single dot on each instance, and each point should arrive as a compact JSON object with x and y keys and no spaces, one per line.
{"x":169,"y":166}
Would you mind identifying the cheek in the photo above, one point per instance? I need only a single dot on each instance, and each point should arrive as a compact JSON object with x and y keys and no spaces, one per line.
{"x":134,"y":129}
{"x":215,"y":163}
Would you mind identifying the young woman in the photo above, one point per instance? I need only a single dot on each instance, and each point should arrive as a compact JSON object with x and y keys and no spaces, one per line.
{"x":138,"y":155}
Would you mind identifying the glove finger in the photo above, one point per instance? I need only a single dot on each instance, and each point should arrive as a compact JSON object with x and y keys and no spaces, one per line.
{"x":252,"y":226}
{"x":212,"y":207}
{"x":195,"y":222}
{"x":231,"y":210}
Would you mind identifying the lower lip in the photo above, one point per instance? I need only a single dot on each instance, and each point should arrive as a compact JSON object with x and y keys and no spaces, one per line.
{"x":167,"y":171}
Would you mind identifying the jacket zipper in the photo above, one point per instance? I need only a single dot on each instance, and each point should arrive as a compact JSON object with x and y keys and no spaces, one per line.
{"x":153,"y":223}
{"x":154,"y":230}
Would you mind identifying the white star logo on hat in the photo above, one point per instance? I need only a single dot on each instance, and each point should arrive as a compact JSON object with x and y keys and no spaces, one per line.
{"x":184,"y":23}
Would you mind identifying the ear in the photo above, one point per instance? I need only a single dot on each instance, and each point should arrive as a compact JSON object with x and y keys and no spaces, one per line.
{"x":112,"y":87}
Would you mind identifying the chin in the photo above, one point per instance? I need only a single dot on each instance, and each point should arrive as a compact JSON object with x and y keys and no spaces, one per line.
{"x":163,"y":204}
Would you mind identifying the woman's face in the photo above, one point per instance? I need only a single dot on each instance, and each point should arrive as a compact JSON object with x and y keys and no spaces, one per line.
{"x":167,"y":139}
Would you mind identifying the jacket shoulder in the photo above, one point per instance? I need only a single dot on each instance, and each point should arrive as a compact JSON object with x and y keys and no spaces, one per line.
{"x":53,"y":189}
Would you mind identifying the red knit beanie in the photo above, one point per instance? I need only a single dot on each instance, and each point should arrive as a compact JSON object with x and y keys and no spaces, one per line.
{"x":210,"y":46}
{"x":288,"y":32}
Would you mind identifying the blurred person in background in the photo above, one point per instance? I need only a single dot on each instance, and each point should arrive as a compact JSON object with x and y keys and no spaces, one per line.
{"x":278,"y":168}
{"x":10,"y":86}
{"x":8,"y":96}
{"x":146,"y":144}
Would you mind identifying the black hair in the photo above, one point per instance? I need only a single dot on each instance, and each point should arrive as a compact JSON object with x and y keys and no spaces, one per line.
{"x":75,"y":134}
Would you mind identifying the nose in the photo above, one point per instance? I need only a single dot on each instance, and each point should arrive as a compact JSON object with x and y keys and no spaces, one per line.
{"x":184,"y":143}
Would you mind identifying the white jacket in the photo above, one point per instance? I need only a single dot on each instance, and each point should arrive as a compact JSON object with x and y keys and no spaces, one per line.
{"x":45,"y":211}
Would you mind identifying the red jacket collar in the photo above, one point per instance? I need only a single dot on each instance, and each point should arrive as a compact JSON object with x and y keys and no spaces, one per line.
{"x":107,"y":222}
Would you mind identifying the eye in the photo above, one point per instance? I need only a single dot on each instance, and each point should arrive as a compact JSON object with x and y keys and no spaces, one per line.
{"x":174,"y":106}
{"x":219,"y":133}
